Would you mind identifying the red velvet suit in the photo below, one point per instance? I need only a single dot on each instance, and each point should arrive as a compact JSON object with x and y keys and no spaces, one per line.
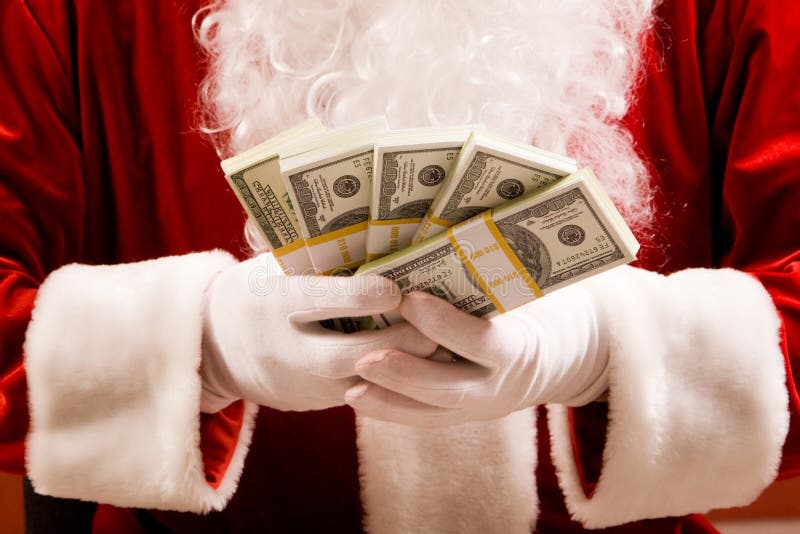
{"x":100,"y":162}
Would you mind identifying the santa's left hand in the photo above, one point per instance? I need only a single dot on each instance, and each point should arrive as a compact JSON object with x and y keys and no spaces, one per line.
{"x":553,"y":350}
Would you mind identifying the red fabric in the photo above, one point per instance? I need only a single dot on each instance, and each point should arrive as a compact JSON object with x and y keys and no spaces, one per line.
{"x":587,"y":432}
{"x":100,"y":163}
{"x":219,"y":434}
{"x":113,"y":520}
{"x":301,"y":476}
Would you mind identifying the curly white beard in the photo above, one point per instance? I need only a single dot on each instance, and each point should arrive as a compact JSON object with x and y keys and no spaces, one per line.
{"x":559,"y":75}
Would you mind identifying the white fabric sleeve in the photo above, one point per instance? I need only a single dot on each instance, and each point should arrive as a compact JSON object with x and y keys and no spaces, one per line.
{"x":112,"y":355}
{"x":698,"y":406}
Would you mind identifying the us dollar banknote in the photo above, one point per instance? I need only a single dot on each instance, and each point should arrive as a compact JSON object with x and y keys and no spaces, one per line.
{"x":517,"y":252}
{"x":330,"y":189}
{"x":410,"y":167}
{"x":490,"y":170}
{"x":254,"y":175}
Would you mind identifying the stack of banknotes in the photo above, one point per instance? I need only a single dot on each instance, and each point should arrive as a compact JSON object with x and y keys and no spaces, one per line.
{"x":480,"y":220}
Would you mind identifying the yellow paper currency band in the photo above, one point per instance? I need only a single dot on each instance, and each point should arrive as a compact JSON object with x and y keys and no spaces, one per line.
{"x":373,"y":257}
{"x":436,"y":220}
{"x":347,"y":230}
{"x":511,"y":255}
{"x":291,"y":247}
{"x":471,"y":268}
{"x":393,"y":222}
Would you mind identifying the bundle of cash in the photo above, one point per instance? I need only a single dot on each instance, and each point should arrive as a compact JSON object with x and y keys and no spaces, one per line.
{"x":255,"y":177}
{"x":505,"y":257}
{"x":490,"y":170}
{"x":329,"y":179}
{"x":410,"y":167}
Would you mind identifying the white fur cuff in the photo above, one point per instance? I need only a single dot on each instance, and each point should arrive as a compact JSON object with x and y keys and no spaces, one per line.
{"x":698,"y":409}
{"x":112,"y":356}
{"x":470,"y":478}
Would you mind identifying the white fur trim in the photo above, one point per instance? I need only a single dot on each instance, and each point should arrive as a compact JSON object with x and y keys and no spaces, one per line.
{"x":112,"y":356}
{"x":698,"y":409}
{"x":475,"y":477}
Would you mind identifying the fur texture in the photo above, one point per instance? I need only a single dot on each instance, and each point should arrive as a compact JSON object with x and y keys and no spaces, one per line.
{"x":557,"y":74}
{"x":698,"y":409}
{"x":476,"y":477}
{"x":114,"y":389}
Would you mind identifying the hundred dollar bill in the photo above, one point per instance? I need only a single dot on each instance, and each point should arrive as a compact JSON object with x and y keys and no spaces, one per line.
{"x":254,"y":175}
{"x":410,"y":166}
{"x":490,"y":170}
{"x":330,"y":189}
{"x":517,"y":252}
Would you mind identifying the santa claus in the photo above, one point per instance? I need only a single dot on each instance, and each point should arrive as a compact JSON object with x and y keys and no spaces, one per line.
{"x":163,"y":386}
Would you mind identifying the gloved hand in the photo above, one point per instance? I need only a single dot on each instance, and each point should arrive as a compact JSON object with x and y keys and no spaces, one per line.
{"x":552,"y":350}
{"x":262,"y":340}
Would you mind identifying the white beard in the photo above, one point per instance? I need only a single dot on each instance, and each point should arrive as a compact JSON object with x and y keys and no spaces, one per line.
{"x":559,"y":75}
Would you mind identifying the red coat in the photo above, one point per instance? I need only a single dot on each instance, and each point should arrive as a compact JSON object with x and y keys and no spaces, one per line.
{"x":100,"y":162}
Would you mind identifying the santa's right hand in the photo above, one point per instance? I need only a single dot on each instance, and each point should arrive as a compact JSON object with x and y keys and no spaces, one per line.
{"x":262,"y":340}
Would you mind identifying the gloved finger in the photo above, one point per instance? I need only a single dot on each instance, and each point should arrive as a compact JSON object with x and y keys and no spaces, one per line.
{"x":468,"y":336}
{"x":447,"y":384}
{"x":370,"y":400}
{"x":316,"y":298}
{"x":333,"y":354}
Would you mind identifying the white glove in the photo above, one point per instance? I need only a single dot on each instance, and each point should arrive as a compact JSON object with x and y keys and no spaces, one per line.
{"x":262,"y":340}
{"x":553,"y":350}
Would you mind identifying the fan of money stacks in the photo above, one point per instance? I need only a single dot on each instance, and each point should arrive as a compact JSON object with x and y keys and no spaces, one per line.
{"x":482,"y":221}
